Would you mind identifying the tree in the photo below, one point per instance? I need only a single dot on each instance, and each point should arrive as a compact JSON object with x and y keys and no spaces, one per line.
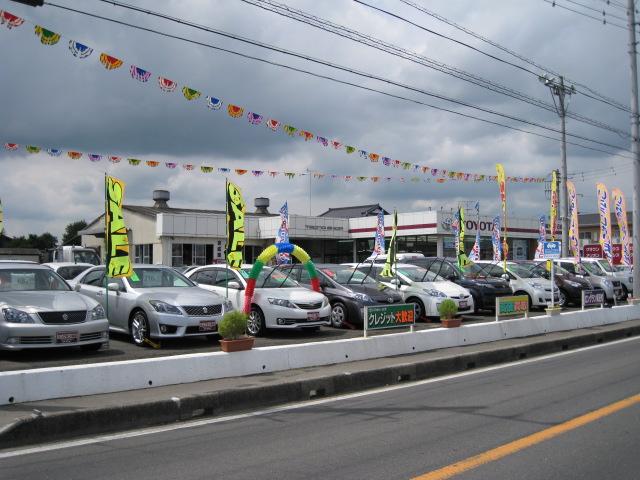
{"x":71,"y":236}
{"x":41,"y":242}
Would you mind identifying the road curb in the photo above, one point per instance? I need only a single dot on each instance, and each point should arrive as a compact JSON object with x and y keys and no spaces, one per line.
{"x":42,"y":428}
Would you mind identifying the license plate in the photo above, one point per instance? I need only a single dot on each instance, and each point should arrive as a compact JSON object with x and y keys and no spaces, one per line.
{"x":207,"y":326}
{"x":313,"y":316}
{"x":66,"y":337}
{"x":462,"y":304}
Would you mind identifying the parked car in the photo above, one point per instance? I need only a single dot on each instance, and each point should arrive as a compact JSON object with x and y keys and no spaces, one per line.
{"x":156,"y":302}
{"x":39,"y":310}
{"x":625,"y":279}
{"x":419,"y":286}
{"x":279,"y":302}
{"x":348,"y":290}
{"x":482,"y":287}
{"x":522,"y":282}
{"x":570,"y":286}
{"x":68,"y":270}
{"x":595,"y":276}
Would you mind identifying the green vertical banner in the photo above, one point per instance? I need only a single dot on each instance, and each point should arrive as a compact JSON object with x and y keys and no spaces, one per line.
{"x":235,"y":226}
{"x":463,"y":259}
{"x":387,"y":271}
{"x":117,"y":247}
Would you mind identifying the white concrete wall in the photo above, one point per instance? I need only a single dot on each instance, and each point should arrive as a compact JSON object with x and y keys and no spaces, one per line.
{"x":60,"y":382}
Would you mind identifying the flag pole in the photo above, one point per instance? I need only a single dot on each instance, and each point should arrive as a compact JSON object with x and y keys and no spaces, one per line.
{"x":107,"y":247}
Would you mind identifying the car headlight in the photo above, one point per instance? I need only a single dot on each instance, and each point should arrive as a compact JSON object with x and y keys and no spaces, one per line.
{"x":607,"y":283}
{"x":537,"y":285}
{"x":573,"y":284}
{"x":281,"y":302}
{"x":228,"y":305}
{"x":164,"y":307}
{"x":362,"y":297}
{"x":434,"y":293}
{"x":630,"y":279}
{"x":325,"y":302}
{"x":97,"y":313}
{"x":14,"y":315}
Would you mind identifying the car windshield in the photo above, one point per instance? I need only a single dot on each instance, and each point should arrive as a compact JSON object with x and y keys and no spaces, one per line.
{"x":271,"y":278}
{"x":418,"y":274}
{"x":473,"y":270}
{"x":593,"y":269}
{"x":605,"y":266}
{"x":86,"y":256}
{"x":346,"y":275}
{"x":18,"y":279}
{"x":522,"y":271}
{"x":149,"y":277}
{"x":72,"y":271}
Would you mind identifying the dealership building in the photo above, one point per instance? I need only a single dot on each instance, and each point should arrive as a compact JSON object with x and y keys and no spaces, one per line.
{"x":183,"y":236}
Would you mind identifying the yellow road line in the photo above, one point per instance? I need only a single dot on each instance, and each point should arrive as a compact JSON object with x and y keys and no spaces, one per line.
{"x":525,"y":442}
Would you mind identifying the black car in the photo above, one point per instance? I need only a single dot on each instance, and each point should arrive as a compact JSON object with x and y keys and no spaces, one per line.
{"x":482,"y":287}
{"x":347,"y":289}
{"x":570,"y":285}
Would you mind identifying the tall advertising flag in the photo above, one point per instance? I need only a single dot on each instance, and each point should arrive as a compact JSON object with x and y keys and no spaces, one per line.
{"x":1,"y":219}
{"x":463,"y":260}
{"x":495,"y":239}
{"x":387,"y":271}
{"x":553,"y":211}
{"x":283,"y":234}
{"x":605,"y":221}
{"x":474,"y":254}
{"x":574,"y":233}
{"x":620,"y":209}
{"x":542,"y":236}
{"x":502,"y":184}
{"x":117,"y":247}
{"x":378,"y":248}
{"x":235,"y":225}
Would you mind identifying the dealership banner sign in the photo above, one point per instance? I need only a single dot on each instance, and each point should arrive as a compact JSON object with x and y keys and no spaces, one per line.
{"x":283,"y":234}
{"x":235,"y":225}
{"x":553,"y":208}
{"x":591,"y":298}
{"x":574,"y":232}
{"x":605,"y":221}
{"x":380,"y":317}
{"x":503,"y":201}
{"x":513,"y":305}
{"x":117,"y":247}
{"x":620,"y":209}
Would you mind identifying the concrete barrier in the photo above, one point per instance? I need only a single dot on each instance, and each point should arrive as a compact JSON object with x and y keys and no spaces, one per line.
{"x":60,"y":382}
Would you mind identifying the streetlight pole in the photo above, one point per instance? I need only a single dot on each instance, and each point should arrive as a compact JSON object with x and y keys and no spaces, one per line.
{"x":635,"y":222}
{"x":560,"y":90}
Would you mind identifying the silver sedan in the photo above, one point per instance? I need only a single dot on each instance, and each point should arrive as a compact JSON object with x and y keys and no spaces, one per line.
{"x":39,"y":310}
{"x":155,"y":302}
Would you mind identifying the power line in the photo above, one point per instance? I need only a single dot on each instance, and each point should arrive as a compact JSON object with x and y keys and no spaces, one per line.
{"x":588,"y":7}
{"x":575,"y":116}
{"x":338,"y":67}
{"x":598,"y":96}
{"x":555,"y":3}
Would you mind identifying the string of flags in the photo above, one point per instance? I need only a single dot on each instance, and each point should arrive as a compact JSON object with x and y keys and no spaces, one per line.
{"x":135,"y":162}
{"x":110,"y":62}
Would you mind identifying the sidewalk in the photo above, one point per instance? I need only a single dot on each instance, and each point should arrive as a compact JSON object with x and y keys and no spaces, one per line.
{"x":45,"y":421}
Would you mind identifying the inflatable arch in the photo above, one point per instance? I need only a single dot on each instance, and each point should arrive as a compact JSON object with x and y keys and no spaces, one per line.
{"x":266,"y":255}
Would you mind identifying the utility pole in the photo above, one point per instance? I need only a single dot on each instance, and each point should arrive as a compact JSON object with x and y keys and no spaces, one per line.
{"x":635,"y":222}
{"x":563,"y":92}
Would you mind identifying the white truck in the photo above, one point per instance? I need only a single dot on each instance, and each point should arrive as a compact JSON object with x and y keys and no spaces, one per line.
{"x":75,"y":254}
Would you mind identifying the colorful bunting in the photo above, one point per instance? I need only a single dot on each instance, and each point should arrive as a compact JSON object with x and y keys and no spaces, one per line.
{"x":139,"y":74}
{"x":224,"y":170}
{"x":109,"y":62}
{"x":306,"y":135}
{"x":79,"y":50}
{"x":374,"y":157}
{"x":94,"y":158}
{"x":289,"y":130}
{"x":152,"y":163}
{"x":235,"y":111}
{"x":167,"y":85}
{"x":188,"y":166}
{"x":32,"y":149}
{"x":214,"y":103}
{"x":74,"y":155}
{"x":273,"y":124}
{"x":289,"y":175}
{"x":171,"y":164}
{"x":113,"y":159}
{"x":257,"y":173}
{"x":54,"y":152}
{"x":12,"y":147}
{"x":47,"y":37}
{"x":336,"y":145}
{"x":349,"y":149}
{"x":10,"y":20}
{"x":241,"y":171}
{"x":133,"y":161}
{"x":206,"y":169}
{"x":254,"y":118}
{"x":190,"y":93}
{"x":322,"y":141}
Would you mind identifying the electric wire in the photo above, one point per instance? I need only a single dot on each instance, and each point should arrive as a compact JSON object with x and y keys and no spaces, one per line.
{"x":326,"y":77}
{"x":587,"y":7}
{"x":554,"y":3}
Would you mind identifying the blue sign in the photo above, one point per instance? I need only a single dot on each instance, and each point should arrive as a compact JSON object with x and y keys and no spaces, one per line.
{"x":551,"y":249}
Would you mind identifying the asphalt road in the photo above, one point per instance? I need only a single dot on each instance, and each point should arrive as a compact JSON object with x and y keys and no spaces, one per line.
{"x":121,"y":347}
{"x":396,"y":433}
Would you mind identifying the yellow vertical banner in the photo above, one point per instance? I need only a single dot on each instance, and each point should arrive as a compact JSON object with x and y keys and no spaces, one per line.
{"x":235,"y":226}
{"x":502,"y":184}
{"x":117,"y":248}
{"x":553,"y":208}
{"x":574,"y":234}
{"x":620,"y":209}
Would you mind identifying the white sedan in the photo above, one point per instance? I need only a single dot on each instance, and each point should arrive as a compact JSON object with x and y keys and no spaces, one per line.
{"x":278,"y":301}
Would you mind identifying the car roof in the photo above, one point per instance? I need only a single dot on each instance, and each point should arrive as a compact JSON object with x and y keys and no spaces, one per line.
{"x":23,"y":265}
{"x":68,"y":264}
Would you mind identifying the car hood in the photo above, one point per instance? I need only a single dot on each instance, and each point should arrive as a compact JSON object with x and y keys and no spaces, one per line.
{"x":446,"y":287}
{"x":180,"y":295}
{"x":484,"y":282}
{"x":376,"y":293}
{"x":47,"y":300}
{"x":539,"y":280}
{"x":295,"y":294}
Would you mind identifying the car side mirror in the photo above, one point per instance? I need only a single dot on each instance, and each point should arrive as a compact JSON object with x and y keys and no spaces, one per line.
{"x":234,"y":286}
{"x":505,"y":277}
{"x":113,"y":287}
{"x":394,"y":281}
{"x":76,"y":287}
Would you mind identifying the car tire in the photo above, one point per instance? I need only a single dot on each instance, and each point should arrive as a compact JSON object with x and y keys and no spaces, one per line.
{"x":139,"y":328}
{"x":563,"y":298}
{"x":625,"y":292}
{"x":339,"y":315}
{"x":255,"y":323}
{"x":419,"y":307}
{"x":93,"y":347}
{"x":476,"y":303}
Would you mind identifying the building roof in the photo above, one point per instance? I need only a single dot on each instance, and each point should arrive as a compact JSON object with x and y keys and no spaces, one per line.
{"x":352,"y":212}
{"x":593,"y":219}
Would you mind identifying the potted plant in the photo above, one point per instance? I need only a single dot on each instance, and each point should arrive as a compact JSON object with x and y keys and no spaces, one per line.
{"x":232,"y":328}
{"x":448,"y":310}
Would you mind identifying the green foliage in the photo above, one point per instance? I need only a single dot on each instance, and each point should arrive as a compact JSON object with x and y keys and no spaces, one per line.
{"x":233,"y":325}
{"x":71,"y":236}
{"x":41,"y":242}
{"x":448,"y":309}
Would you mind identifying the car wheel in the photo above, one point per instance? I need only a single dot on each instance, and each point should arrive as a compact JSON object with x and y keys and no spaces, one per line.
{"x":419,"y":307}
{"x":255,"y":322}
{"x":562,"y":298}
{"x":139,"y":328}
{"x":90,"y":348}
{"x":476,"y":303}
{"x":625,"y":292}
{"x":338,"y":315}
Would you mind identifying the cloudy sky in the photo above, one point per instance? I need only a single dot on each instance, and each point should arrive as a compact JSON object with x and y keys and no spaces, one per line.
{"x":54,"y":100}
